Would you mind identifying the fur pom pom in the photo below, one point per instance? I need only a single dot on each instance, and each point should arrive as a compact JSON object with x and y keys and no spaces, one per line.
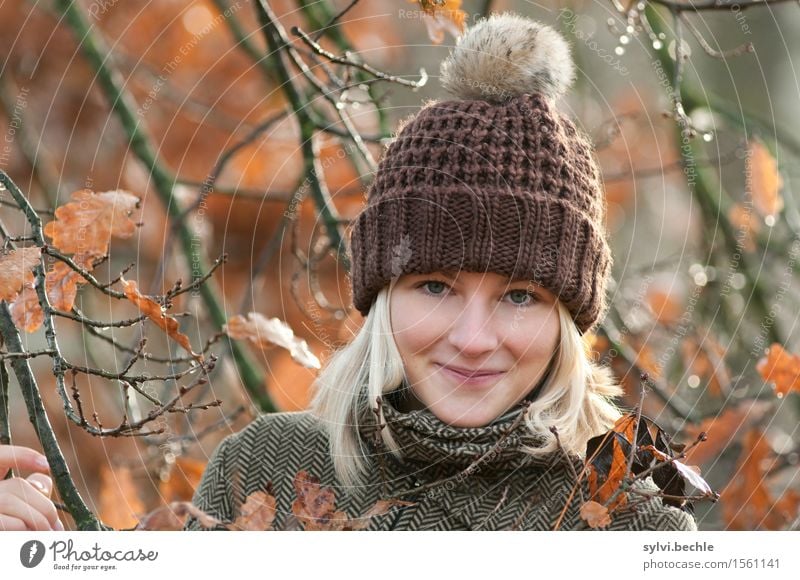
{"x":507,"y":55}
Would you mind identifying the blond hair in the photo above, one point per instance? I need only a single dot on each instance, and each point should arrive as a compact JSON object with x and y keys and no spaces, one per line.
{"x":574,"y":397}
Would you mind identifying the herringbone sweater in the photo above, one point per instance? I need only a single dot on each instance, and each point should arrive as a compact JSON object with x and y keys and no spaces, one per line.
{"x":506,"y":490}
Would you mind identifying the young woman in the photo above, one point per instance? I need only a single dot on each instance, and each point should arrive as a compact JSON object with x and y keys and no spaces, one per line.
{"x":479,"y":262}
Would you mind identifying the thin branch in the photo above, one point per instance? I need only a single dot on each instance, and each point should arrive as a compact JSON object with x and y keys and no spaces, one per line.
{"x":84,"y":518}
{"x":85,"y":274}
{"x":141,"y":143}
{"x":738,"y":51}
{"x":31,"y":354}
{"x":317,"y":48}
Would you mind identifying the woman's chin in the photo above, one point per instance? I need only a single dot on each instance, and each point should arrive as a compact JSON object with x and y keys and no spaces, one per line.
{"x":458,"y":416}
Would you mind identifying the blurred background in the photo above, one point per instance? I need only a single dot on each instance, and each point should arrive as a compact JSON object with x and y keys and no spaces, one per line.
{"x":231,"y":146}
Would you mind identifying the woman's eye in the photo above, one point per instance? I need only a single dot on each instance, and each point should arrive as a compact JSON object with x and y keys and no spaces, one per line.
{"x":525,"y":298}
{"x":431,"y":287}
{"x":518,"y":297}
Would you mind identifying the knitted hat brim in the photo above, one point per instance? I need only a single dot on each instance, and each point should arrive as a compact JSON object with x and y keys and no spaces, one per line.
{"x":543,"y":239}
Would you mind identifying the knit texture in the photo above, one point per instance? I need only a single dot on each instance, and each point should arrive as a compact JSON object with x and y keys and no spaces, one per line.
{"x":504,"y":493}
{"x":508,"y":187}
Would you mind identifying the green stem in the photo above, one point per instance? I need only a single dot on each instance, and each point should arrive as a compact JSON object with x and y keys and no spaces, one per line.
{"x":277,"y":41}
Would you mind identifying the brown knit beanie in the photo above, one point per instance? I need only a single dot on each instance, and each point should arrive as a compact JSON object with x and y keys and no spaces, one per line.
{"x":495,"y":180}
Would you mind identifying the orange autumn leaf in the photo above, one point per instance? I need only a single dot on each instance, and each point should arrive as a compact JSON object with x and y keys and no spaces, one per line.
{"x":16,"y":269}
{"x":315,"y":506}
{"x":440,"y":16}
{"x":765,"y":181}
{"x":780,"y":368}
{"x":158,"y":315}
{"x":184,"y":477}
{"x":257,"y":513}
{"x":745,"y":224}
{"x":595,"y":514}
{"x":62,"y":281}
{"x":603,"y":486}
{"x":120,"y":503}
{"x":26,"y":312}
{"x":722,"y":429}
{"x":265,"y":333}
{"x":666,"y":308}
{"x":171,"y":517}
{"x":88,"y":222}
{"x":747,"y":501}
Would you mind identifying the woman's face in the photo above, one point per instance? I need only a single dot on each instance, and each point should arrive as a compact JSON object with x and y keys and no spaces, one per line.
{"x":473,"y":344}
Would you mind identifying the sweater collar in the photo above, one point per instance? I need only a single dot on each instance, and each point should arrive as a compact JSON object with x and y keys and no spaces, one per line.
{"x":422,"y":437}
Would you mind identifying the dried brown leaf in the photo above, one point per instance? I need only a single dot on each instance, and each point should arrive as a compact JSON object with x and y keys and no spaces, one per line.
{"x":265,"y":332}
{"x":442,"y":16}
{"x":26,"y":312}
{"x":780,"y":368}
{"x":315,"y":506}
{"x":62,"y":281}
{"x":171,"y":517}
{"x":88,"y":222}
{"x":595,"y":514}
{"x":158,"y":315}
{"x":766,"y":181}
{"x":257,"y":513}
{"x":16,"y":269}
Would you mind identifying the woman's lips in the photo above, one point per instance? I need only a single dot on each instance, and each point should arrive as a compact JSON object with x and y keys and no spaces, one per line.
{"x":470,"y":378}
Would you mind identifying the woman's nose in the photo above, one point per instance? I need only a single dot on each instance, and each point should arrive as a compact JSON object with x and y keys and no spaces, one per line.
{"x":473,"y":332}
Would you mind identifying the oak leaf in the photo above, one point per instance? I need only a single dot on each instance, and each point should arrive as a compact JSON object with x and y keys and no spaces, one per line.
{"x":265,"y":332}
{"x":665,"y":305}
{"x":315,"y":506}
{"x":26,"y":312}
{"x":16,"y":269}
{"x":171,"y":517}
{"x":608,"y":456}
{"x":88,"y":222}
{"x":745,"y":223}
{"x":256,"y":514}
{"x":595,"y":514}
{"x":441,"y":16}
{"x":765,"y":181}
{"x":155,"y":312}
{"x":62,"y":281}
{"x":722,"y":428}
{"x":780,"y":368}
{"x":747,"y":501}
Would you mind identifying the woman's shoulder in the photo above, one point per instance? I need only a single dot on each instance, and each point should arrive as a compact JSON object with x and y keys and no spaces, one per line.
{"x":267,"y":453}
{"x":296,"y":426}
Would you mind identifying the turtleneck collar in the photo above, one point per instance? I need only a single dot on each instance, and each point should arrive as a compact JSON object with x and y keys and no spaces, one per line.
{"x":423,"y":437}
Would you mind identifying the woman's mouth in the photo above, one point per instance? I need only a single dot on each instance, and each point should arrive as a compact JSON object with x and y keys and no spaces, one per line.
{"x":472,"y":378}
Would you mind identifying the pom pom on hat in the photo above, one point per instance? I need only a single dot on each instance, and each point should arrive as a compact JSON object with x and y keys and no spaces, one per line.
{"x":507,"y":55}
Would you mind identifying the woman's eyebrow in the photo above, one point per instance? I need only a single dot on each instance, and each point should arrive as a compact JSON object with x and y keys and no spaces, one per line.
{"x":451,"y":275}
